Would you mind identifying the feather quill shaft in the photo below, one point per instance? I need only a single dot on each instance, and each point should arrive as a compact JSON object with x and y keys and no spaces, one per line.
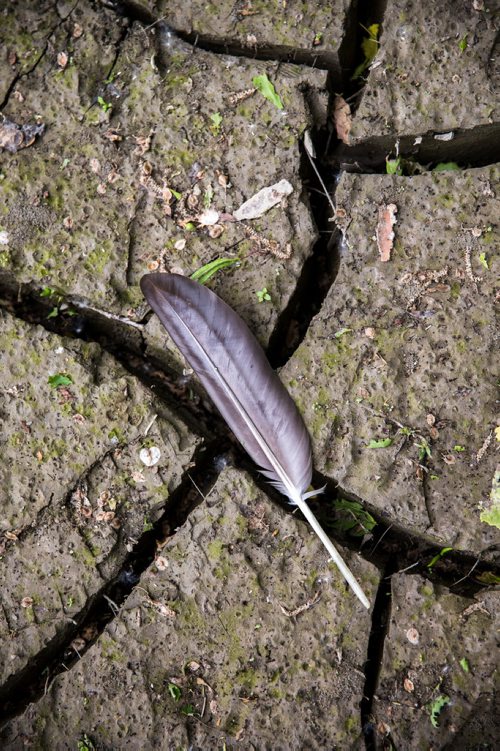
{"x":236,"y":374}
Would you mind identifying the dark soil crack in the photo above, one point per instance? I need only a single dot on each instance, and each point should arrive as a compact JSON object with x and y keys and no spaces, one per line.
{"x":381,"y":615}
{"x":315,"y":58}
{"x":124,"y":341}
{"x":74,"y":639}
{"x":420,"y":153}
{"x":318,"y":273}
{"x":40,"y":57}
{"x":383,"y":539}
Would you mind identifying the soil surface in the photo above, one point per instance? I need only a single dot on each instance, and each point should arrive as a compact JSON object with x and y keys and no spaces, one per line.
{"x":156,"y":593}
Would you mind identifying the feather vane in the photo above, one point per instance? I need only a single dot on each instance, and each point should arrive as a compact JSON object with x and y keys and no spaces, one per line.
{"x":236,"y":374}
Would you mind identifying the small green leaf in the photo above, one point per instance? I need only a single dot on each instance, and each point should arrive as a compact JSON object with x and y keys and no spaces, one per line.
{"x":47,"y":292}
{"x":369,"y":47}
{"x":446,"y":167}
{"x":175,"y":194}
{"x":85,"y":744}
{"x":488,"y":578}
{"x":53,"y":313}
{"x":174,"y":691}
{"x":266,"y":88}
{"x":458,"y":448}
{"x":464,"y":664}
{"x":437,"y":707}
{"x":380,"y":444}
{"x":424,"y":450}
{"x":437,"y":557}
{"x":59,"y":379}
{"x":462,"y":45}
{"x":340,"y":333}
{"x":190,"y":226}
{"x":206,"y":272}
{"x":352,"y":518}
{"x":393,"y":166}
{"x":491,"y":516}
{"x":105,"y":106}
{"x":216,"y":119}
{"x":188,"y":709}
{"x":207,"y":197}
{"x":483,"y":260}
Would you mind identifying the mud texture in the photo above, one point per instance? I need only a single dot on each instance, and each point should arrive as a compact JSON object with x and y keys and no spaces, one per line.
{"x":404,"y":352}
{"x":155,"y":591}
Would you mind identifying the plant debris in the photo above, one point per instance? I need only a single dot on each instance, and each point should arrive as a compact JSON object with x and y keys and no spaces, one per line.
{"x":264,"y":200}
{"x":15,"y":137}
{"x":385,"y":232}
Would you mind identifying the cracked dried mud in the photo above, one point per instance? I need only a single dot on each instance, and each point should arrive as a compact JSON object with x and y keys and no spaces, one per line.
{"x":155,"y":592}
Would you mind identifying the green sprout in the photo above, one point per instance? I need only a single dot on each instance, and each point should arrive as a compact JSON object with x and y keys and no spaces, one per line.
{"x":458,"y":448}
{"x":85,"y":744}
{"x":463,"y":44}
{"x":393,"y":166}
{"x":263,"y":295}
{"x":464,"y":664}
{"x":483,"y":261}
{"x":424,"y":450}
{"x":438,"y":557}
{"x":174,"y":691}
{"x":105,"y":106}
{"x":369,"y":47}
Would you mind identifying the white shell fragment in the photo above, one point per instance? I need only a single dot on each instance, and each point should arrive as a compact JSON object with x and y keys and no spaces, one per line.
{"x":208,"y":218}
{"x":4,"y":238}
{"x":444,"y":136}
{"x":150,"y":456}
{"x":264,"y":200}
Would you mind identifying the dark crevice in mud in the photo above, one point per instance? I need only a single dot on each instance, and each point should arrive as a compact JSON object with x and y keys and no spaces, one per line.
{"x":314,"y":58}
{"x":381,"y":615}
{"x":355,"y":524}
{"x":63,"y":651}
{"x":361,"y":15}
{"x":476,"y":147}
{"x":123,"y":340}
{"x":40,"y":57}
{"x":373,"y":535}
{"x":383,"y":541}
{"x":319,"y":271}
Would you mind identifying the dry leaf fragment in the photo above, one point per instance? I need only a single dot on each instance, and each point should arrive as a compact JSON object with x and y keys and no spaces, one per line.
{"x":385,"y":233}
{"x":408,"y":685}
{"x":342,"y":118}
{"x":62,"y":59}
{"x":27,"y":602}
{"x":264,"y":200}
{"x":15,"y":137}
{"x":77,"y":31}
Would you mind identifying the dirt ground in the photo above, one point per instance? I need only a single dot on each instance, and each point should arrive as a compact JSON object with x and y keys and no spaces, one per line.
{"x":155,"y":593}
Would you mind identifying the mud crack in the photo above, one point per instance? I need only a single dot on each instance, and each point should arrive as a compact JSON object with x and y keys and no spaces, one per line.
{"x":73,"y":640}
